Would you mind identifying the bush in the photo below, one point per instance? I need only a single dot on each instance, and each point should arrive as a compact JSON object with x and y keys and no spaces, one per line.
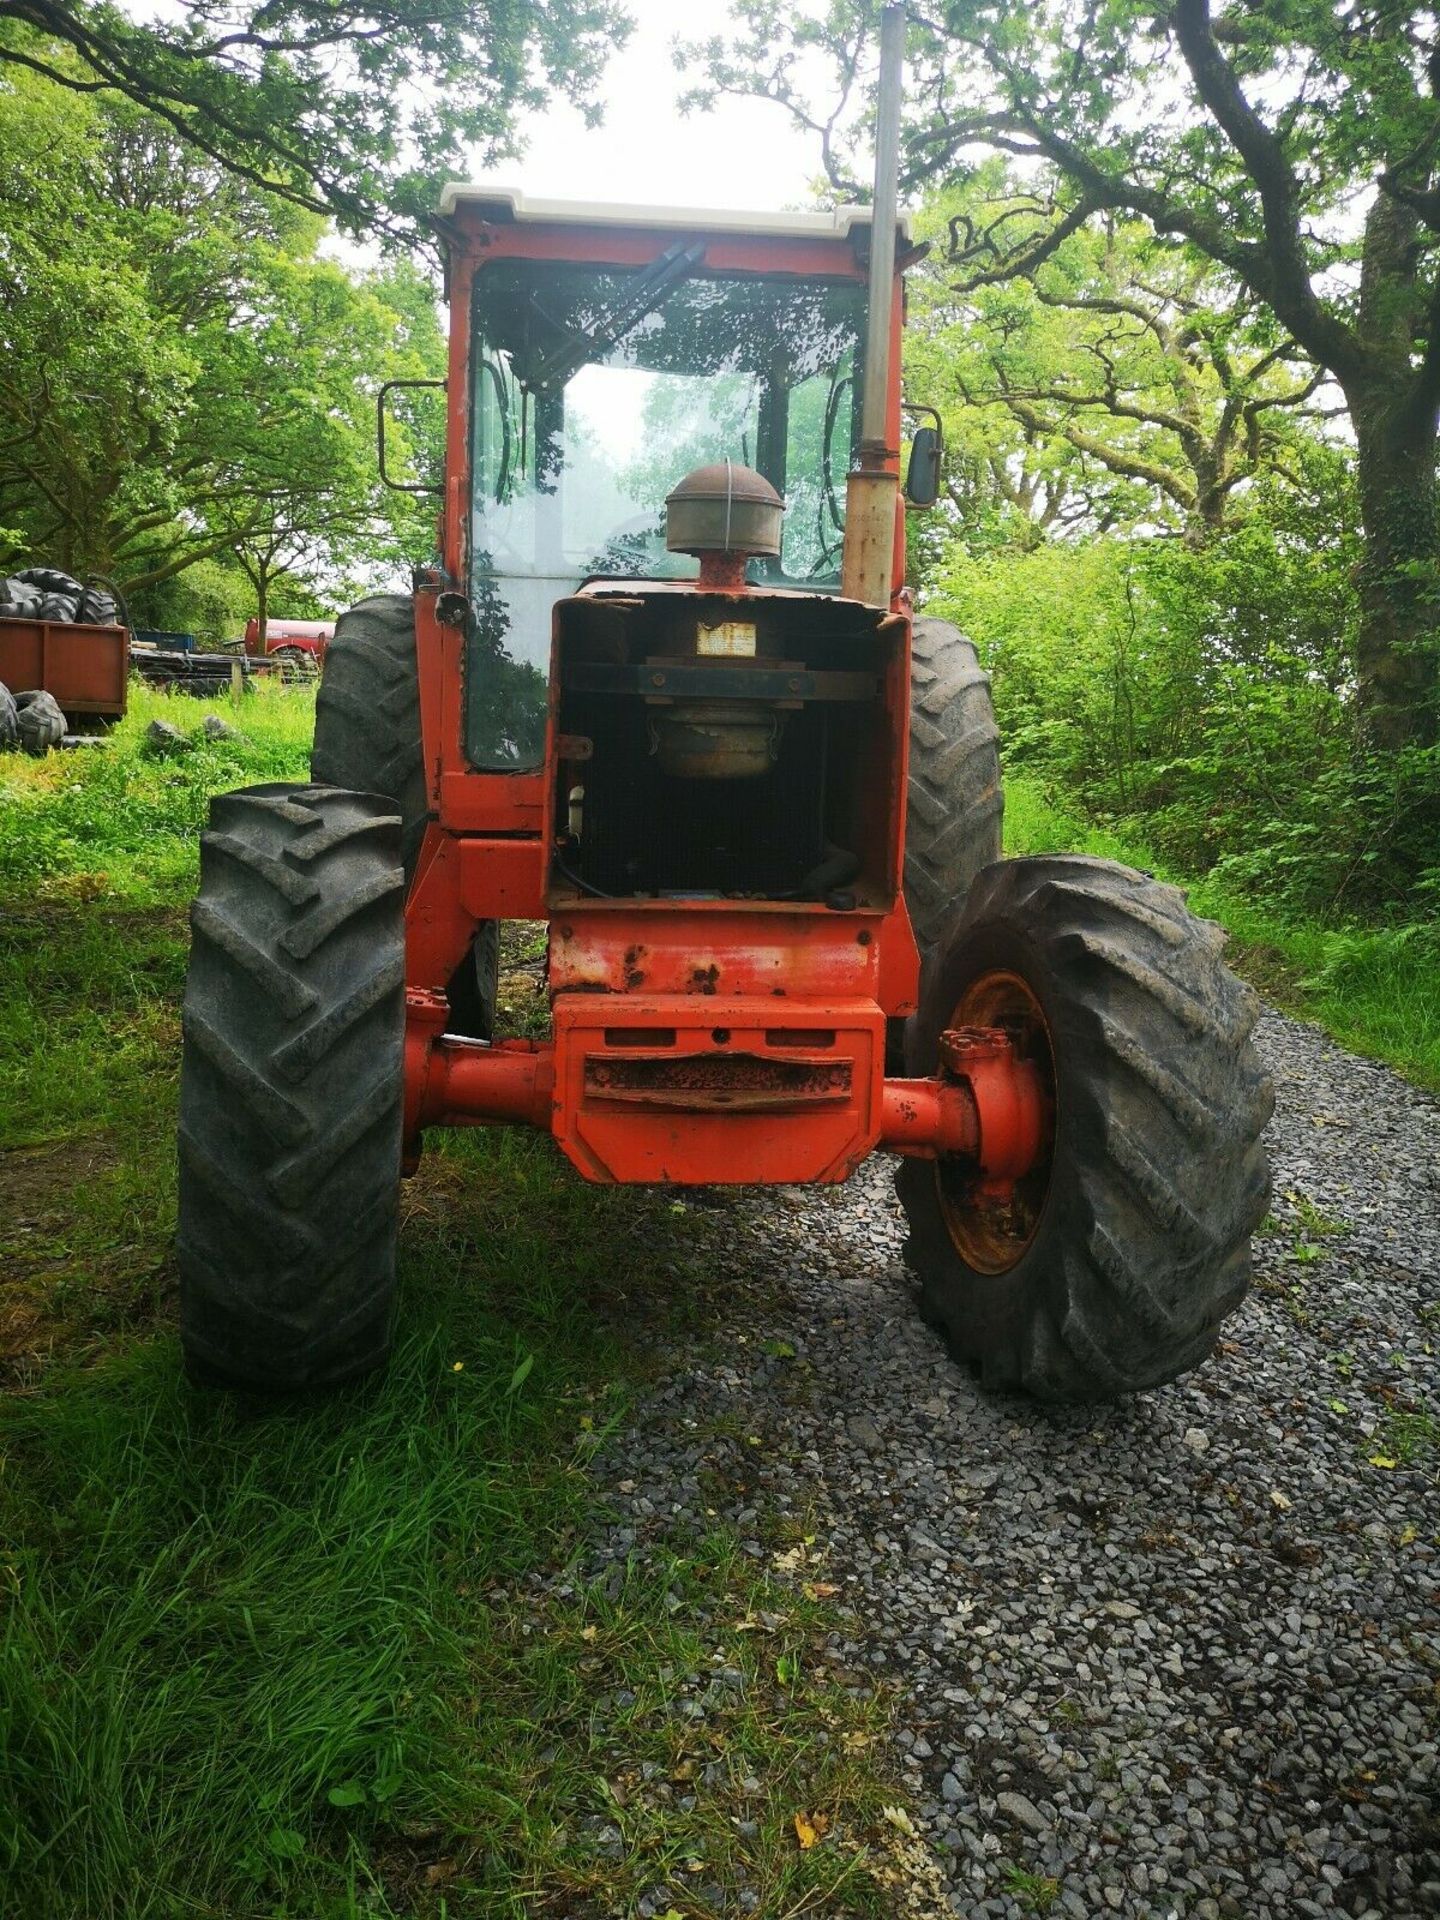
{"x":1206,"y":694}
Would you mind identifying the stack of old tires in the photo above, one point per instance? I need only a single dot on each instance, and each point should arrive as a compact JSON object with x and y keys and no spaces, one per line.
{"x":32,"y":721}
{"x":44,"y":593}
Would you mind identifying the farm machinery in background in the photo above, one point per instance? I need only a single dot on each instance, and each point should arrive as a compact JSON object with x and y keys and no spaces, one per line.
{"x":68,"y":648}
{"x":663,"y":688}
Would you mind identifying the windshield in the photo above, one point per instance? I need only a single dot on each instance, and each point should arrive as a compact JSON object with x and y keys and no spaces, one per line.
{"x":595,"y":390}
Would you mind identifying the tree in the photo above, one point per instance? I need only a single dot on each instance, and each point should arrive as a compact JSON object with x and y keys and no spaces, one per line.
{"x":1297,"y":147}
{"x":349,"y":110}
{"x":289,"y":404}
{"x":1121,"y":381}
{"x":180,"y":376}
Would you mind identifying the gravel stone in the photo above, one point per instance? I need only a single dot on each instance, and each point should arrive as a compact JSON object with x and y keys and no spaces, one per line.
{"x":1200,"y":1628}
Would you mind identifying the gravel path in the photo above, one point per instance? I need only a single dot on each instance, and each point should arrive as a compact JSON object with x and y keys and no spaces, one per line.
{"x":1182,"y":1656}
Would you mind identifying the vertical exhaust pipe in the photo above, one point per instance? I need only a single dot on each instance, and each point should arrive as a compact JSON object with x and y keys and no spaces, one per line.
{"x":873,"y":484}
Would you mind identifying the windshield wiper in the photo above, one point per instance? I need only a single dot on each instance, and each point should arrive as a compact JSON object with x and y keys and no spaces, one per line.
{"x":647,"y":292}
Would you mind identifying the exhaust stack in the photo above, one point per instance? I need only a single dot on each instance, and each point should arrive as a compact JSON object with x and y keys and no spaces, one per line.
{"x":873,"y":484}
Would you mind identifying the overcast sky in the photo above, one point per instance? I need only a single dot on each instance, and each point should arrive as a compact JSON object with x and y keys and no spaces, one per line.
{"x":744,"y":154}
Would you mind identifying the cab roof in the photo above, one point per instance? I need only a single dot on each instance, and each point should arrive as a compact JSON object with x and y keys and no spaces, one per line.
{"x":507,"y":203}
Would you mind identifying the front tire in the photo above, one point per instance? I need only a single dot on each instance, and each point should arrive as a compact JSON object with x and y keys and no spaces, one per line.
{"x":1116,"y":1261}
{"x":291,"y":1089}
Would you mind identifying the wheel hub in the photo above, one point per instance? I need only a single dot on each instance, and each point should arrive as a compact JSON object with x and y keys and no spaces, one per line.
{"x":998,"y":1044}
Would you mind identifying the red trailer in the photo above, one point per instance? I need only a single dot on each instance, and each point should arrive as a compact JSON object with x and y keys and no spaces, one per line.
{"x":86,"y":668}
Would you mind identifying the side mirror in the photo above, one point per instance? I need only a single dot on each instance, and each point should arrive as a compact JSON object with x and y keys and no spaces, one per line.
{"x":922,"y":476}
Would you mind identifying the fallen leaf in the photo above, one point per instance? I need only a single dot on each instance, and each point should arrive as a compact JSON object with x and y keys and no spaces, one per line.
{"x":589,"y":1633}
{"x":818,"y":1590}
{"x":898,"y":1817}
{"x":1383,"y":1460}
{"x":810,"y":1827}
{"x":1281,"y":1500}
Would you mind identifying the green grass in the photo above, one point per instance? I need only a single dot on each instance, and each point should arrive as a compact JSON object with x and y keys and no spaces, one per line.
{"x":284,"y":1662}
{"x":1036,"y":1892}
{"x":113,"y":821}
{"x":1376,"y":990}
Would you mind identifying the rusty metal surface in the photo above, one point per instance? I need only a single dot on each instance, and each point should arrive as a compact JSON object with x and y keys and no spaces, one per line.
{"x":999,"y":1044}
{"x":86,"y":668}
{"x":929,"y":1118}
{"x":718,"y":1082}
{"x":776,"y":950}
{"x":727,"y":1106}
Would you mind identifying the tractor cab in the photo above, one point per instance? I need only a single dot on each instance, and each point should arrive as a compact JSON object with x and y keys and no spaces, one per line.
{"x":608,"y":353}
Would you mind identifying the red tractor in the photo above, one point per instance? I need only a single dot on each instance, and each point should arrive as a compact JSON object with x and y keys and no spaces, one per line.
{"x":663,"y":690}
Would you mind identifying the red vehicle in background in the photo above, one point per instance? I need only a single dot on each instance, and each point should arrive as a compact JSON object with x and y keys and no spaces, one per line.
{"x":296,"y":646}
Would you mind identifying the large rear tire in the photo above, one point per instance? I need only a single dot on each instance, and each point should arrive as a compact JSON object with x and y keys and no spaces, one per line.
{"x":367,"y":714}
{"x":291,"y":1089}
{"x":955,"y":799}
{"x":367,"y":736}
{"x":1118,"y":1258}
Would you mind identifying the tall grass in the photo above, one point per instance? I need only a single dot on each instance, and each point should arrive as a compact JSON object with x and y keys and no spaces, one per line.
{"x":115,"y":818}
{"x":238,"y":1637}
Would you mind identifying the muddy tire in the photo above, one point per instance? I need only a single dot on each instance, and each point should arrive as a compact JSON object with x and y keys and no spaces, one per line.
{"x":291,"y":1089}
{"x":1124,"y":1252}
{"x":955,"y":800}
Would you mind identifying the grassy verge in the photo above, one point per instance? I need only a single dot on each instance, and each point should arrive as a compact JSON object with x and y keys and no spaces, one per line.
{"x":1376,"y":991}
{"x":323,"y":1659}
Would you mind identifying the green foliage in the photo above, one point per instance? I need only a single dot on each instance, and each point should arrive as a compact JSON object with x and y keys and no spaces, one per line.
{"x":211,"y":599}
{"x":1207,"y":693}
{"x":353,"y":113}
{"x":1120,"y":379}
{"x":182,"y":377}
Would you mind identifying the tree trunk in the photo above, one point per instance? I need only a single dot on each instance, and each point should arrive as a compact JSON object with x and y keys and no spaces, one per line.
{"x":1398,"y":645}
{"x":262,"y":604}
